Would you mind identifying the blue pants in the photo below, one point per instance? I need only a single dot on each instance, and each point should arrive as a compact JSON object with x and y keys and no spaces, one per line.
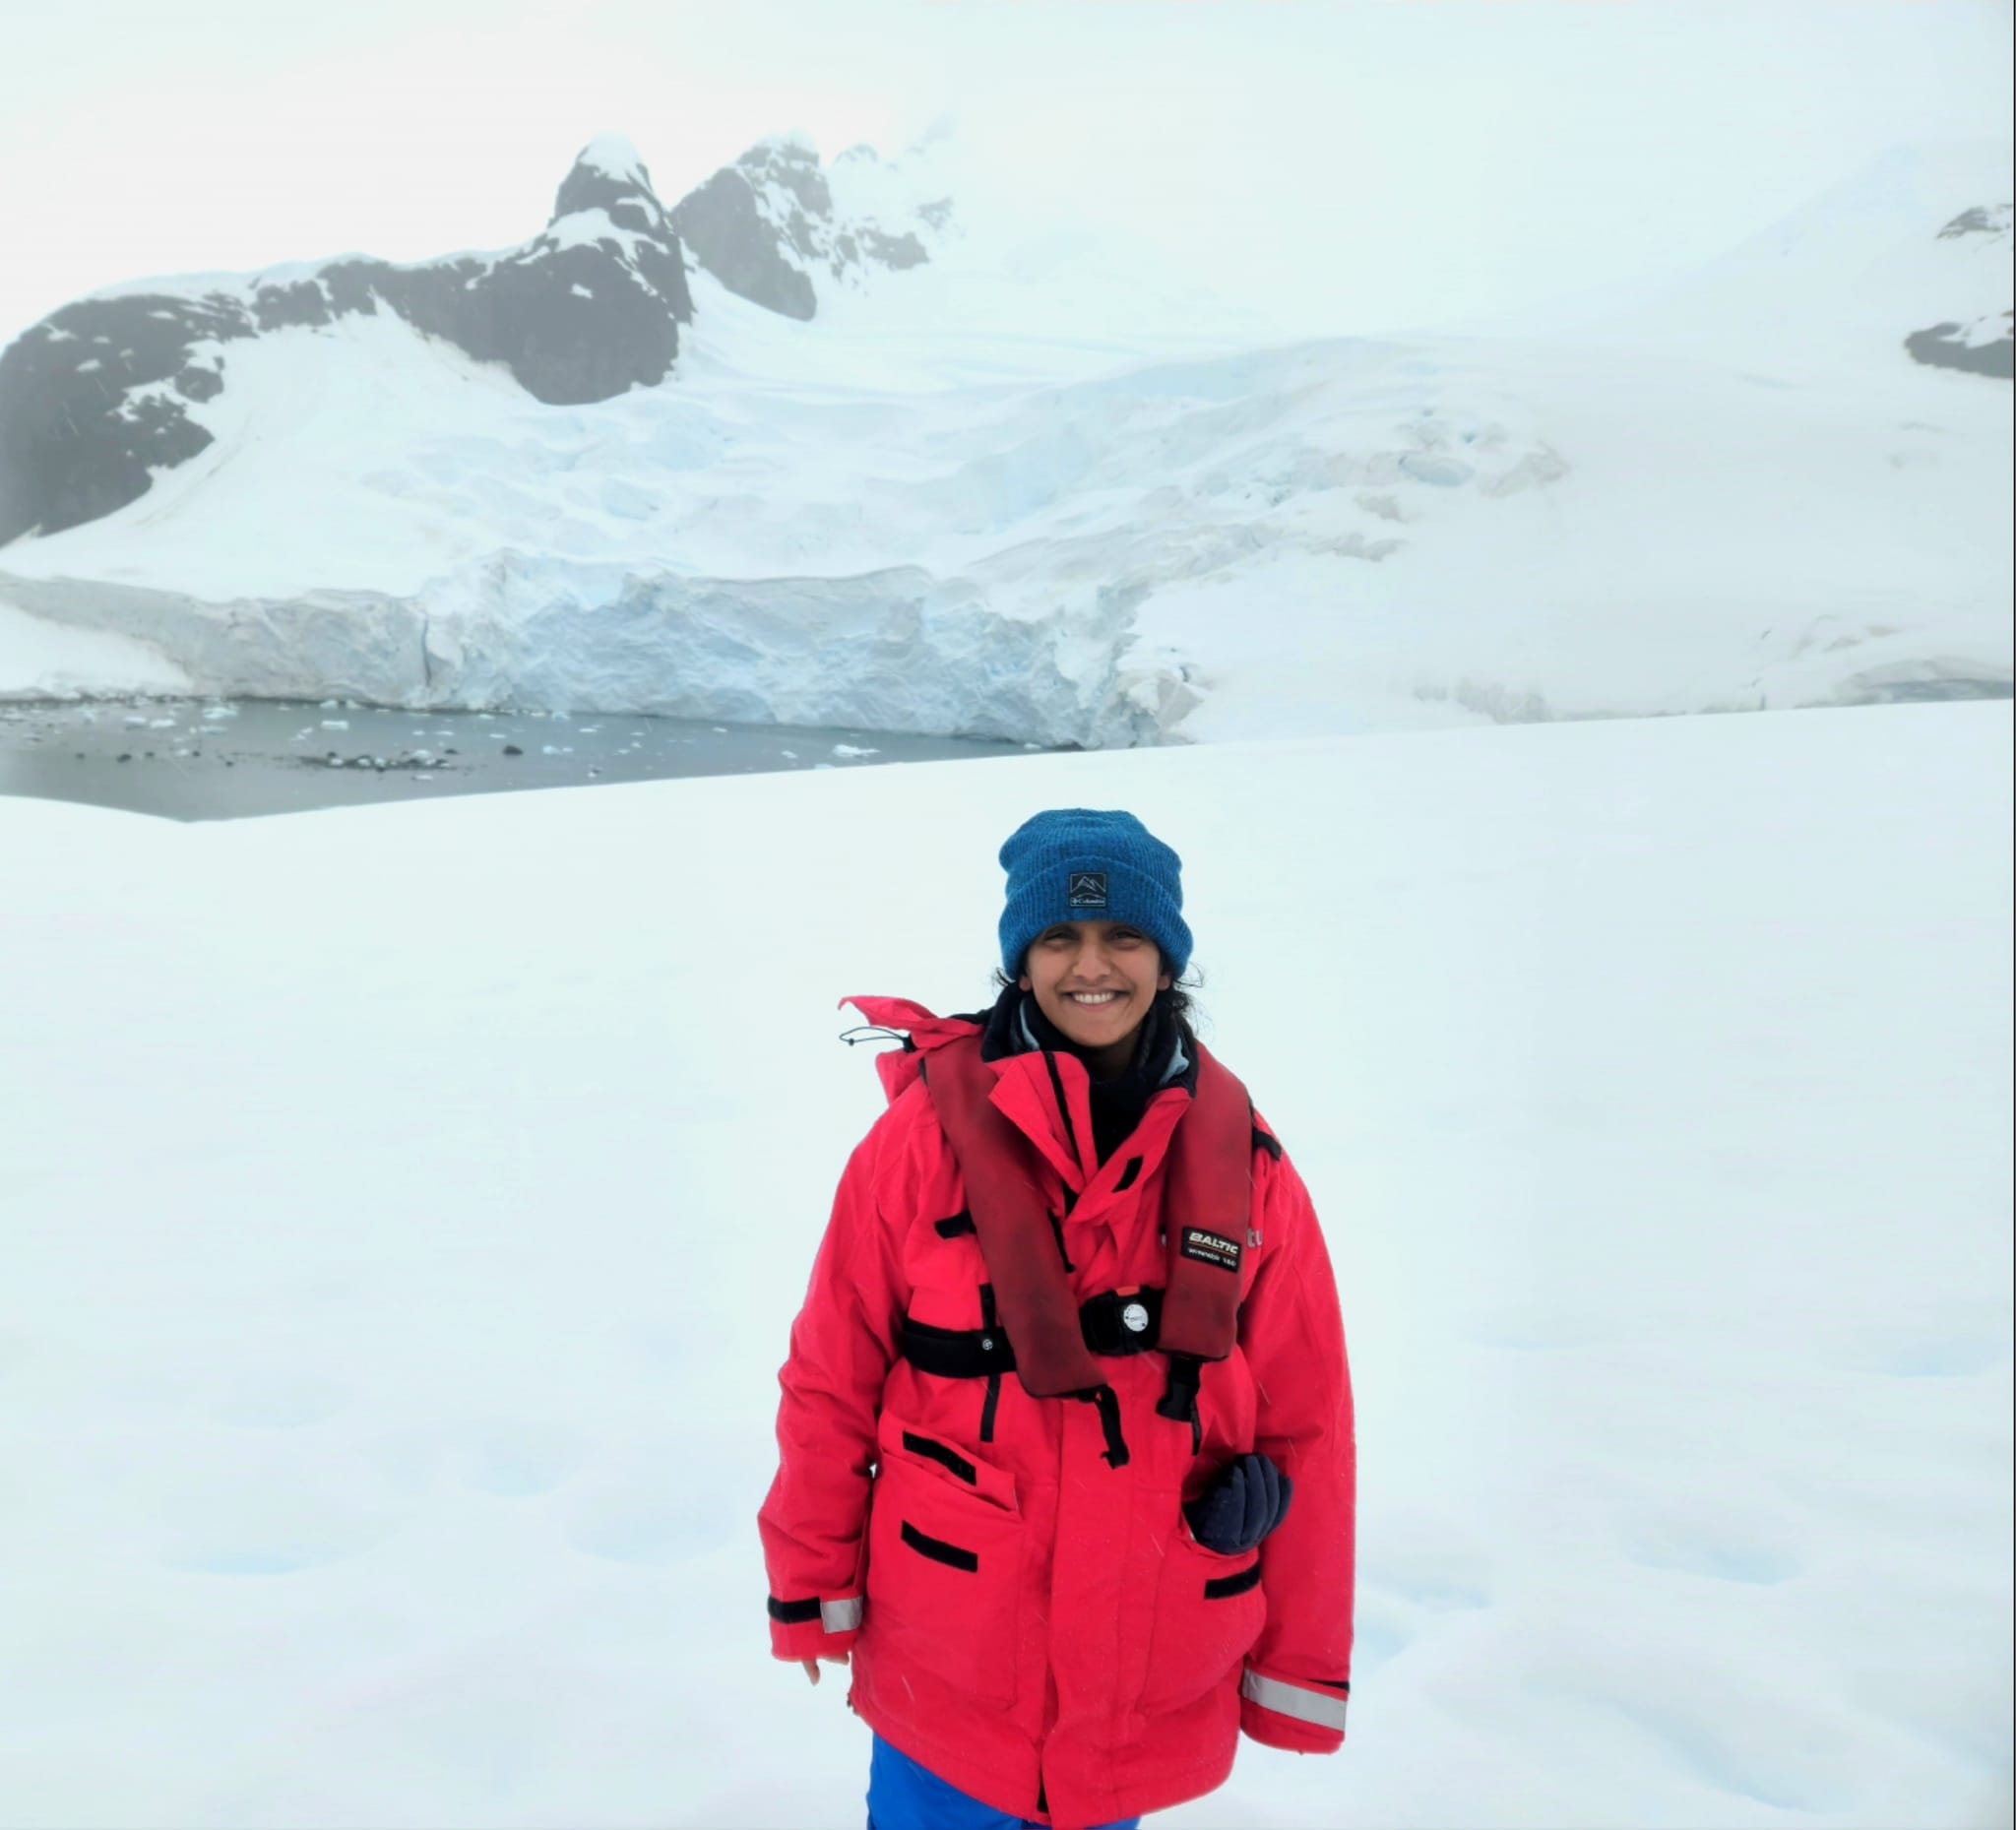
{"x":903,"y":1796}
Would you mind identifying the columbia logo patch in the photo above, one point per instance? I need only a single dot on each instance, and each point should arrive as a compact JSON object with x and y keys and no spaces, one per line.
{"x":1211,"y":1248}
{"x":1088,"y":889}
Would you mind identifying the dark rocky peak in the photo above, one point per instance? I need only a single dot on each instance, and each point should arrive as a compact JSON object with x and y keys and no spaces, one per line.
{"x":609,"y":176}
{"x":97,"y":399}
{"x":1983,"y":344}
{"x":791,"y":165}
{"x":1992,"y":223}
{"x":777,"y":227}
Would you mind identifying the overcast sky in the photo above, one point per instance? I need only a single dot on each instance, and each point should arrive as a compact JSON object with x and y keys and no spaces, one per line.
{"x":1386,"y":162}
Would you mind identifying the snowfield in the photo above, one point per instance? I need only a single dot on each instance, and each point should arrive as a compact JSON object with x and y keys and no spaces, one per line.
{"x":404,"y":1209}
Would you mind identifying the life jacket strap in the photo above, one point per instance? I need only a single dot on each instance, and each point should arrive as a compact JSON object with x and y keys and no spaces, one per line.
{"x":1180,"y":1396}
{"x":1109,"y":1402}
{"x":1116,"y":1324}
{"x":955,"y":1353}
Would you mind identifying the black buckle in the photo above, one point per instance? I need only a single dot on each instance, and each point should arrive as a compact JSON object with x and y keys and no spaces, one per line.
{"x":1121,"y":1322}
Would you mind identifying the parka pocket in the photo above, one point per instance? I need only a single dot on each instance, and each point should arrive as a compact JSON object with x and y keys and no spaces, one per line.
{"x":945,"y":1561}
{"x":1209,"y":1610}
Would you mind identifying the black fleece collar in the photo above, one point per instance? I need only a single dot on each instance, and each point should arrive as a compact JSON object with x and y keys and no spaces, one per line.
{"x":1165,"y":1055}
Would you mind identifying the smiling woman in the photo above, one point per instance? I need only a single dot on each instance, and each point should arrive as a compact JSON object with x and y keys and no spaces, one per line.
{"x":1097,"y":981}
{"x":1070,"y":1592}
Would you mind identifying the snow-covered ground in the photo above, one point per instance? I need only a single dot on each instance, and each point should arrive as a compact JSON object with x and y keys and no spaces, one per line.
{"x":1008,"y":498}
{"x":405,"y":1209}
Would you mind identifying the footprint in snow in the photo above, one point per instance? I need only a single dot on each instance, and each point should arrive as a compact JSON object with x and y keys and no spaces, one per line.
{"x":516,"y":1459}
{"x":650,"y":1526}
{"x":225,"y":1559}
{"x":508,"y":1458}
{"x":1717,"y":1543}
{"x":238,"y":1527}
{"x":1962,"y":1340}
{"x":1436,"y":1592}
{"x":280,"y":1401}
{"x":1424,"y":1564}
{"x":1532,"y":1328}
{"x":1378,"y":1637}
{"x":1731,"y":1753}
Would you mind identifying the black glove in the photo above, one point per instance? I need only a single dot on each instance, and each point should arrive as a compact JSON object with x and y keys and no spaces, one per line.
{"x":1248,"y":1500}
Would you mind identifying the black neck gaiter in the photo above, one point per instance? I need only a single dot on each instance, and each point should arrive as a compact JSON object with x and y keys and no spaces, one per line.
{"x":1116,"y":1103}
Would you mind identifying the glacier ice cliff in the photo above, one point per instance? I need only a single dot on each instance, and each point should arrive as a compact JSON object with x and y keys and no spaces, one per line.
{"x":892,"y":650}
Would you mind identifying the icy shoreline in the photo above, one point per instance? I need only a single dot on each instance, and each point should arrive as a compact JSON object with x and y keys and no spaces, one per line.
{"x":193,"y":759}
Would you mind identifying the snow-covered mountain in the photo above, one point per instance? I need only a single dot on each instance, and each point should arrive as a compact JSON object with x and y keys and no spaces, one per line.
{"x":96,"y":400}
{"x":948,"y":502}
{"x":776,"y":229}
{"x":1910,"y":256}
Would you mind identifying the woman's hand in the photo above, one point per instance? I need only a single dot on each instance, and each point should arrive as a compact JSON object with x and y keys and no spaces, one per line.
{"x":813,"y":1664}
{"x":1247,"y":1502}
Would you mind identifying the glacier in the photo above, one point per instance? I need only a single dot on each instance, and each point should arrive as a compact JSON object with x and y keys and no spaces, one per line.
{"x":895,"y":650}
{"x":959,"y":502}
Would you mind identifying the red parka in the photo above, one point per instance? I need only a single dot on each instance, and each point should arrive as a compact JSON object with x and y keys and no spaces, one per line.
{"x":1031,"y":1624}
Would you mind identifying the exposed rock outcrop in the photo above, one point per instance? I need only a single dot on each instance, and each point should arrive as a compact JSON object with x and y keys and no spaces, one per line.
{"x":775,"y":226}
{"x":1982,"y":345}
{"x":94,"y":399}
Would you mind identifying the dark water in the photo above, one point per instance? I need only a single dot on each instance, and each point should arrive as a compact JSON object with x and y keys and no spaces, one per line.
{"x":196,"y":759}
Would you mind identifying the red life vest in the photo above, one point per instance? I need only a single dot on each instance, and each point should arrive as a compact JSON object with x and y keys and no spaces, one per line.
{"x":1210,"y":1193}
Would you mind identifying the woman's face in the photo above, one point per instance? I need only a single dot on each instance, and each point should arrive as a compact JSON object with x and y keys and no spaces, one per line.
{"x":1095,"y":981}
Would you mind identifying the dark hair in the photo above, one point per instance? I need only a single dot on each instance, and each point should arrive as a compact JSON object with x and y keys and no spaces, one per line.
{"x":1176,"y":999}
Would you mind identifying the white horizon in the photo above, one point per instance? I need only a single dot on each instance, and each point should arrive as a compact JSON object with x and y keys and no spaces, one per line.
{"x":1361,"y":167}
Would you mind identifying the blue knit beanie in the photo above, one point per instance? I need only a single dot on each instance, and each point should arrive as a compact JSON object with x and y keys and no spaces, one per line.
{"x":1075,"y":864}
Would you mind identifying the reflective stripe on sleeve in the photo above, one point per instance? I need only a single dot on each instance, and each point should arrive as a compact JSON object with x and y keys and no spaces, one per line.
{"x":841,"y":1616}
{"x":1310,"y":1706}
